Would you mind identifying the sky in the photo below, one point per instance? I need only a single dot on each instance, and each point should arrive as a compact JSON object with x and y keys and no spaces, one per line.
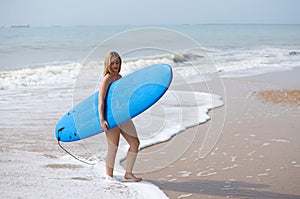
{"x":147,"y":12}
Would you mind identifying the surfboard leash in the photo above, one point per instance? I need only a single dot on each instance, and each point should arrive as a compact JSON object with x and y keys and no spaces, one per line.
{"x":58,"y":141}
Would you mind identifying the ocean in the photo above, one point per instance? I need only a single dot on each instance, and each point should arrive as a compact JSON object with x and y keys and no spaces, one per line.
{"x":240,"y":49}
{"x":45,"y":71}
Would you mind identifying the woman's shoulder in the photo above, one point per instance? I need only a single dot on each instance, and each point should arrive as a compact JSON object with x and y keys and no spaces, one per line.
{"x":119,"y":76}
{"x":106,"y":79}
{"x":111,"y":78}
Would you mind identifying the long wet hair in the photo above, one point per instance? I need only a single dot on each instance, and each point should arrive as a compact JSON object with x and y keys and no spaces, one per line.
{"x":107,"y":62}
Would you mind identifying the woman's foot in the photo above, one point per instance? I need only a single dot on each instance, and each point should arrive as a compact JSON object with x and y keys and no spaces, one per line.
{"x":107,"y":177}
{"x":130,"y":176}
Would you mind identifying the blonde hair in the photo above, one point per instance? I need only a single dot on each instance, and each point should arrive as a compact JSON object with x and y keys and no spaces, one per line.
{"x":108,"y":60}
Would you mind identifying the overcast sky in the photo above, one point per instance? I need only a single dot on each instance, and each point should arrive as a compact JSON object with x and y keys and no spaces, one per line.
{"x":150,"y":12}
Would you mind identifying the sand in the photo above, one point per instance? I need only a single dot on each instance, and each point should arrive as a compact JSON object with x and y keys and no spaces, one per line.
{"x":257,"y":154}
{"x":279,"y":96}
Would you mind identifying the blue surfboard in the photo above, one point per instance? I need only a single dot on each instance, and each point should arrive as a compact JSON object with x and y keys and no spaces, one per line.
{"x":125,"y":99}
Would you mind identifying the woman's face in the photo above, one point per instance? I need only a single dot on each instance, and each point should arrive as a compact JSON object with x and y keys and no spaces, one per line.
{"x":115,"y":65}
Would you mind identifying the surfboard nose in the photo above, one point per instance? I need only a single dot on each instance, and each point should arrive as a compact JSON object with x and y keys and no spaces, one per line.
{"x":65,"y":129}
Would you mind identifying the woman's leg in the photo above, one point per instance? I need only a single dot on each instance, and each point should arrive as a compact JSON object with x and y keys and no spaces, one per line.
{"x":112,"y":137}
{"x":128,"y":131}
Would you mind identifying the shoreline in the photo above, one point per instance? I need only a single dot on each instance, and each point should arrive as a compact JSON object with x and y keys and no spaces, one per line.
{"x":241,"y":165}
{"x":256,"y":155}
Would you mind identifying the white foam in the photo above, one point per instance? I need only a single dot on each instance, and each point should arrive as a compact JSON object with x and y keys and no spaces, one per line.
{"x":280,"y":140}
{"x":266,"y":173}
{"x":189,"y":63}
{"x":230,"y":167}
{"x":262,"y":174}
{"x":247,"y":62}
{"x":185,"y":195}
{"x":205,"y":173}
{"x":233,"y":158}
{"x":180,"y":110}
{"x":61,"y":74}
{"x":117,"y":187}
{"x":61,"y":178}
{"x":183,"y":111}
{"x":227,"y":187}
{"x":185,"y":173}
{"x":266,"y":144}
{"x":251,"y":153}
{"x":192,"y":65}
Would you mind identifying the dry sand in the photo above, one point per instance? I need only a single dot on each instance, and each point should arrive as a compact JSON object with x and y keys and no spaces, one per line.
{"x":257,"y":155}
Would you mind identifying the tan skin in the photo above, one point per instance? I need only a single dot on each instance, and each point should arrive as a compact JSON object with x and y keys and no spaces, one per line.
{"x":113,"y":135}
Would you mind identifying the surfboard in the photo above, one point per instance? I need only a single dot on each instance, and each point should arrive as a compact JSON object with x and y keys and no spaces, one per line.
{"x":126,"y":98}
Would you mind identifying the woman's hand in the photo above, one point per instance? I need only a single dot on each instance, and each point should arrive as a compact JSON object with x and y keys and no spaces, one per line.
{"x":104,"y":125}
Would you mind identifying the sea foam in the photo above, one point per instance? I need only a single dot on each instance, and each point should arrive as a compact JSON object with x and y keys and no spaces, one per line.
{"x":175,"y":112}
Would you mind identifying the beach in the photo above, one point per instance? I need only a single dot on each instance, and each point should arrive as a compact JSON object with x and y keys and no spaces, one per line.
{"x":226,"y":128}
{"x":257,"y":154}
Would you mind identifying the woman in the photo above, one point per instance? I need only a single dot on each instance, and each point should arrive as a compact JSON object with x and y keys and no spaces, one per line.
{"x":112,"y":67}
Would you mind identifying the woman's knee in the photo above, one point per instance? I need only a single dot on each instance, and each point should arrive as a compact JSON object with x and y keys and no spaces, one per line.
{"x":135,"y":143}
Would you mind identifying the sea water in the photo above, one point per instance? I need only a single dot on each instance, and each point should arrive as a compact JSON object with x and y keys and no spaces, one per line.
{"x":44,"y":71}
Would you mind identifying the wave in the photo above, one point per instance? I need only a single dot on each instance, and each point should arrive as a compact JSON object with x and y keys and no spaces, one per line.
{"x":60,"y":74}
{"x":294,"y":53}
{"x":53,"y":74}
{"x":188,"y":63}
{"x":175,"y":112}
{"x":182,"y":58}
{"x":257,"y":60}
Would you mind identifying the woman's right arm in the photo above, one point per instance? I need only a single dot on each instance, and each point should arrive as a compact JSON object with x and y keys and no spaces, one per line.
{"x":102,"y":94}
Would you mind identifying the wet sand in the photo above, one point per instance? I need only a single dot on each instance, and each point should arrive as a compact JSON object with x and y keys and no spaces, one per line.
{"x":257,"y":154}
